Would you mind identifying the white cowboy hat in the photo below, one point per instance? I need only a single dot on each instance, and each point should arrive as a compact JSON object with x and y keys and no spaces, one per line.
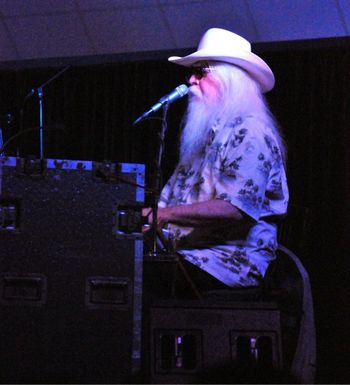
{"x":221,"y":45}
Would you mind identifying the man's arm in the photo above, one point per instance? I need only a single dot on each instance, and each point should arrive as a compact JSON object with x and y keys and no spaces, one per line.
{"x":215,"y":212}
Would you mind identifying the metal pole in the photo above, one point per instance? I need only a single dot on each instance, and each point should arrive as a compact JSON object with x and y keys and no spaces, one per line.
{"x":41,"y":123}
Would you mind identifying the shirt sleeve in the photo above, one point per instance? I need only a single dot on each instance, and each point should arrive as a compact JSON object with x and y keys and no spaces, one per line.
{"x":242,"y":171}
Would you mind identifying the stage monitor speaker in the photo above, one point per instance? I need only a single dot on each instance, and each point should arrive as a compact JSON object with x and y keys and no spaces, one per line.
{"x":70,"y":271}
{"x":210,"y":342}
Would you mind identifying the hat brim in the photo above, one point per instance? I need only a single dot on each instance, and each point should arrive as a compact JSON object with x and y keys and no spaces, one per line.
{"x":250,"y":62}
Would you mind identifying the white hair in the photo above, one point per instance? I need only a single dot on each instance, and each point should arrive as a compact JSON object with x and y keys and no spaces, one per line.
{"x":239,"y":95}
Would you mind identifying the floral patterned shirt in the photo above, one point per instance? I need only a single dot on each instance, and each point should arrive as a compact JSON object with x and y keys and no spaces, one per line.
{"x":241,"y":164}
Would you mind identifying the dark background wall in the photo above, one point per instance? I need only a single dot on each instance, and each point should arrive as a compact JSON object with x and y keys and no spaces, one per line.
{"x":88,"y":114}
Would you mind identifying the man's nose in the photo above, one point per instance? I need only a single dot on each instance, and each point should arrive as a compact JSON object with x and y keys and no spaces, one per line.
{"x":193,"y":80}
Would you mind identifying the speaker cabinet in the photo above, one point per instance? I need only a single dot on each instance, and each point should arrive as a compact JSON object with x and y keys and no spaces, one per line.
{"x":206,"y":342}
{"x":70,"y":271}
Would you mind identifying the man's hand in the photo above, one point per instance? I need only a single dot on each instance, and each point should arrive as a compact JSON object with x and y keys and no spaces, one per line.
{"x":163,"y":216}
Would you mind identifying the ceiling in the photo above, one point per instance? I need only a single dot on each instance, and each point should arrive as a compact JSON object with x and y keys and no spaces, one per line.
{"x":38,"y":30}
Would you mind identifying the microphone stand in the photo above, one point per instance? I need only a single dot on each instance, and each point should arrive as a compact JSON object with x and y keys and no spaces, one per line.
{"x":158,"y":181}
{"x":40,"y":93}
{"x":41,"y":122}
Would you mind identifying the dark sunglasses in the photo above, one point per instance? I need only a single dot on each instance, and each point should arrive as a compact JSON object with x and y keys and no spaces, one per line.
{"x":199,"y":72}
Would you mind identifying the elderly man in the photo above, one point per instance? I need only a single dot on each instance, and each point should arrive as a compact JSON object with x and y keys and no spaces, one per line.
{"x":222,"y":201}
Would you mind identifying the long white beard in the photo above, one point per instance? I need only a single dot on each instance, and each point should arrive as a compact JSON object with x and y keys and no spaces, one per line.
{"x":199,"y":119}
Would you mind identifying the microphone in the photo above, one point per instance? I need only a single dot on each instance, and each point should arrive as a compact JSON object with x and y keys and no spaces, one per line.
{"x":177,"y":93}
